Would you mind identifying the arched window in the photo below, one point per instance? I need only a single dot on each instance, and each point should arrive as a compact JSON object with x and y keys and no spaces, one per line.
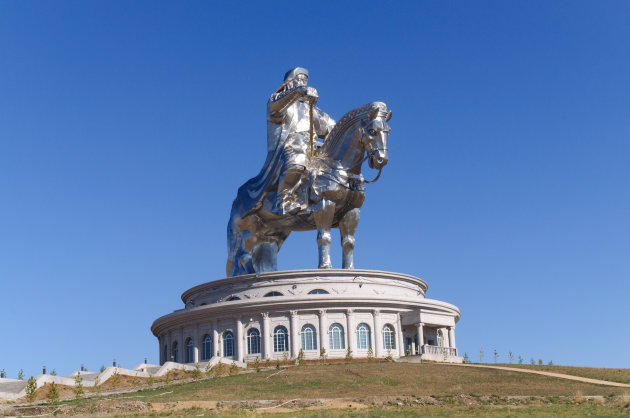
{"x":228,"y":344}
{"x":364,"y":341}
{"x":207,"y":347}
{"x":274,"y":293}
{"x":318,"y":292}
{"x":309,"y":337}
{"x":174,"y":353}
{"x":233,"y":298}
{"x":335,"y":337}
{"x":389,"y":337}
{"x":253,"y":341}
{"x":280,"y":339}
{"x":190,"y":356}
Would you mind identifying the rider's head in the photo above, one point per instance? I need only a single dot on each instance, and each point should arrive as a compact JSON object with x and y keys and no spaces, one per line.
{"x":295,"y":78}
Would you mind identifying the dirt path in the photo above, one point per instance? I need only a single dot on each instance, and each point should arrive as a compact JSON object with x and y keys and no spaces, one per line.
{"x":551,"y":374}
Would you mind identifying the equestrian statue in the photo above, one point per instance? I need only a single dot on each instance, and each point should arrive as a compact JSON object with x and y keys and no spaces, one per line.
{"x":305,"y":185}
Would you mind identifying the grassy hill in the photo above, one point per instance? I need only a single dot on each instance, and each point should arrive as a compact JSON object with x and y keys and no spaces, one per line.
{"x":362,"y":389}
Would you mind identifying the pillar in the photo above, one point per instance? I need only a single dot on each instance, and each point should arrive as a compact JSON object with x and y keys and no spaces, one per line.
{"x":378,"y":337}
{"x":196,"y":343}
{"x":350,"y":331}
{"x":401,"y":338}
{"x":169,"y":346}
{"x":161,"y":350}
{"x":238,"y":343}
{"x":295,"y":335}
{"x":215,"y":339}
{"x":420,"y":326}
{"x":451,"y":336}
{"x":181,"y":347}
{"x":266,"y":337}
{"x":323,"y":330}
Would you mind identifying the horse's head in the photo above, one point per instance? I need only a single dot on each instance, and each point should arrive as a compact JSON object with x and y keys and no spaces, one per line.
{"x":375,"y":133}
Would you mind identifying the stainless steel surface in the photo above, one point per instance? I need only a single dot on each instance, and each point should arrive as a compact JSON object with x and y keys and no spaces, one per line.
{"x":295,"y":191}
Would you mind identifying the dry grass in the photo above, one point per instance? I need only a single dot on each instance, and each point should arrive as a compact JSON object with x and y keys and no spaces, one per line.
{"x":382,"y":379}
{"x":356,"y":389}
{"x":612,"y":375}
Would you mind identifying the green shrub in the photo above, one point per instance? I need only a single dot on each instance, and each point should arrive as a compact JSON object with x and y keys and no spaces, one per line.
{"x":78,"y":386}
{"x":53,"y":393}
{"x":234,"y":369}
{"x":196,"y":373}
{"x":21,"y":375}
{"x":31,"y":388}
{"x":348,"y":354}
{"x":257,"y":364}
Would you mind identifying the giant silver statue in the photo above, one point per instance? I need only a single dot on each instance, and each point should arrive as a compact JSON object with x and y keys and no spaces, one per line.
{"x":305,"y":185}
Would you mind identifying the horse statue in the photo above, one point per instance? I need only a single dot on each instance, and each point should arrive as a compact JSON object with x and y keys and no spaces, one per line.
{"x":335,"y":190}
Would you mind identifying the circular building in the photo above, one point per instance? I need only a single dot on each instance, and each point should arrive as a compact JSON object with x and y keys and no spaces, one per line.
{"x":332,"y":313}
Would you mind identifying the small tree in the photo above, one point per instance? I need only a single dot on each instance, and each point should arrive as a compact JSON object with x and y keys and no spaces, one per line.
{"x":102,"y":369}
{"x":322,"y":353}
{"x":31,"y":389}
{"x":481,"y":355}
{"x":150,"y":381}
{"x":370,"y":353}
{"x":97,"y":385}
{"x":267,"y":362}
{"x":520,"y":360}
{"x":53,"y":373}
{"x":550,"y":363}
{"x":53,"y":393}
{"x":78,"y":386}
{"x":540,"y":362}
{"x":466,"y":359}
{"x":285,"y":356}
{"x":389,"y":356}
{"x":21,"y":375}
{"x":233,"y":369}
{"x":300,"y":356}
{"x":196,"y":372}
{"x":257,"y":364}
{"x":496,"y":356}
{"x":348,"y":354}
{"x":115,"y":378}
{"x":532,"y":362}
{"x":277,"y":364}
{"x":510,"y":357}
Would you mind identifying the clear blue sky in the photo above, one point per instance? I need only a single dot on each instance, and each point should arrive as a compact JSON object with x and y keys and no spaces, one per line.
{"x":126,"y":128}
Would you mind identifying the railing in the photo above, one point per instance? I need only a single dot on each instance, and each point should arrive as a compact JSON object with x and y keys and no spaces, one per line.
{"x":439,"y":351}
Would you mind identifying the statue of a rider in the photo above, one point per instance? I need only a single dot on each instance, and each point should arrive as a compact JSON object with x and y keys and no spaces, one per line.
{"x":291,"y":118}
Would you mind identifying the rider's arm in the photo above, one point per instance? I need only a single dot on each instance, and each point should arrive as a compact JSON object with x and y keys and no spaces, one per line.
{"x":279,"y":102}
{"x":323,"y":123}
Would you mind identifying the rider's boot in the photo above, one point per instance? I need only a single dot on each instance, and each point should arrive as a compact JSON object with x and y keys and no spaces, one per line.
{"x":287,"y":201}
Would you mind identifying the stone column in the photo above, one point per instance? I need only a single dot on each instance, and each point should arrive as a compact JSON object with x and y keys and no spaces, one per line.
{"x":323,"y":330}
{"x":215,"y":339}
{"x":196,"y":343}
{"x":378,"y":334}
{"x":451,"y":336}
{"x":420,"y":326}
{"x":181,"y":345}
{"x":295,"y":335}
{"x":352,"y":341}
{"x":401,"y":338}
{"x":266,"y":337}
{"x":169,"y":346}
{"x":161,"y":349}
{"x":238,"y":346}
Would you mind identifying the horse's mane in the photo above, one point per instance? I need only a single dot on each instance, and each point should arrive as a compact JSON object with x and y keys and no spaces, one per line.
{"x":348,"y":120}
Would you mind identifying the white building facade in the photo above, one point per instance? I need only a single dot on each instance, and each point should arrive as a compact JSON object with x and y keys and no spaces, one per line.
{"x":321,"y":312}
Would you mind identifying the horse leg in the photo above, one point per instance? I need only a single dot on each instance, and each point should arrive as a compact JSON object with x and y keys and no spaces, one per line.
{"x":347,"y":227}
{"x":323,"y":215}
